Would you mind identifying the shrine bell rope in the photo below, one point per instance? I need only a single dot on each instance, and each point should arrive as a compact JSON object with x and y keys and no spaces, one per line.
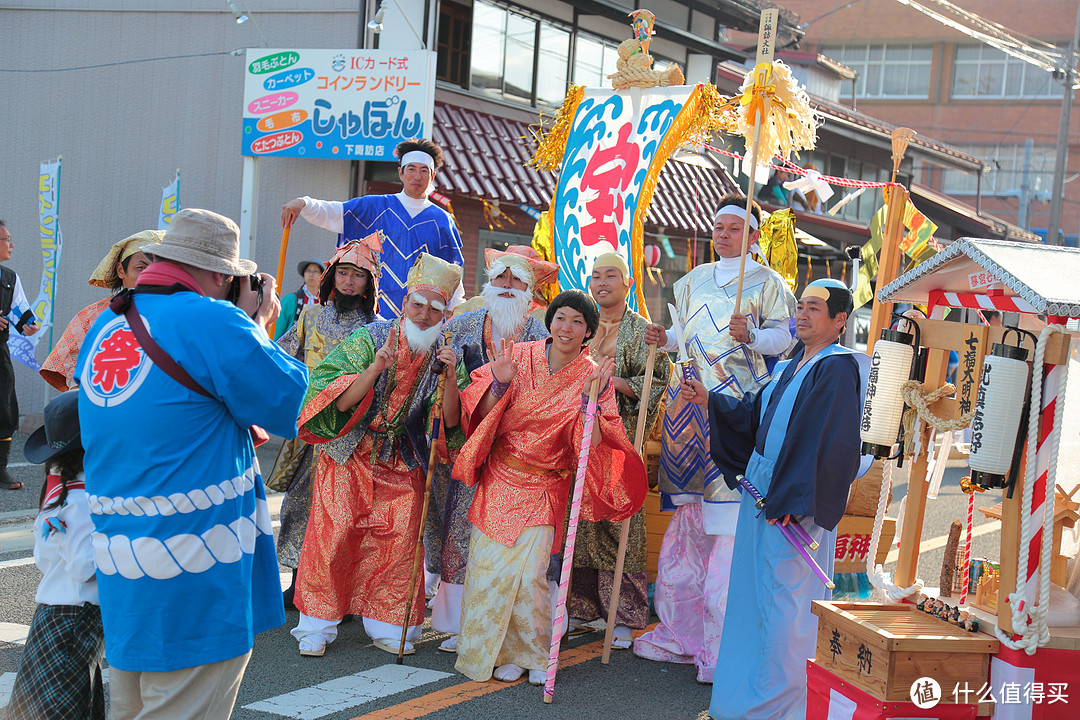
{"x":1031,"y":622}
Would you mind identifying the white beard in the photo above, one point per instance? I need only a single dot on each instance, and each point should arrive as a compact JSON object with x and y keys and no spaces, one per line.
{"x":507,"y":314}
{"x":420,"y":340}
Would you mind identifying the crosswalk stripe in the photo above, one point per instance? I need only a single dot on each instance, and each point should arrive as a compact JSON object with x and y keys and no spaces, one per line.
{"x":7,"y":682}
{"x":14,"y":633}
{"x":346,"y":692}
{"x":17,"y":562}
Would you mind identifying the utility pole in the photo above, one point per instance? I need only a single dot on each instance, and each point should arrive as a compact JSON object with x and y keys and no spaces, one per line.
{"x":1025,"y":186}
{"x":1063,"y":139}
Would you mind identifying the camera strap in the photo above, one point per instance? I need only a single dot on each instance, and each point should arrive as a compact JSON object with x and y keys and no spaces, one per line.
{"x":124,"y":303}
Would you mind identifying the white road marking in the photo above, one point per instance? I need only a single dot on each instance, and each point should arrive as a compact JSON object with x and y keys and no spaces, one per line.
{"x":17,"y":562}
{"x":14,"y":633}
{"x":347,"y":692}
{"x":7,"y":682}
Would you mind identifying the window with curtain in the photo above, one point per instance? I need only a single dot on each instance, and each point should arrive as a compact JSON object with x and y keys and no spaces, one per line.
{"x":890,"y":70}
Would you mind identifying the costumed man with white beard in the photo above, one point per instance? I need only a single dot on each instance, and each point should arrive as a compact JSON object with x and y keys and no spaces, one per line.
{"x":733,"y":354}
{"x":369,"y":405}
{"x":410,"y":221}
{"x":513,"y":275}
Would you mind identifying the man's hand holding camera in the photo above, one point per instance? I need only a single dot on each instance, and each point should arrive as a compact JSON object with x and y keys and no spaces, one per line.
{"x":257,"y":296}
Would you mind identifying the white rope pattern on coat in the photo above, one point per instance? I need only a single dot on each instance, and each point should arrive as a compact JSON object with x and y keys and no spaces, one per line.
{"x":1036,"y":634}
{"x":197,"y":499}
{"x":164,"y":559}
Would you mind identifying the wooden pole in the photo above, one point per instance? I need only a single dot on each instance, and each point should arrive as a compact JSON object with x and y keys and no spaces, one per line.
{"x":624,"y":534}
{"x":763,"y":65}
{"x":281,"y":258}
{"x":571,"y":538}
{"x":436,"y":415}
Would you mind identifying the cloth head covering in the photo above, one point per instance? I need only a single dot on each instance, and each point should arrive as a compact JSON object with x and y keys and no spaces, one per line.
{"x":835,"y":294}
{"x":302,"y":266}
{"x":614,"y":260}
{"x":59,"y":434}
{"x":363,"y":253}
{"x":435,"y":275}
{"x":205,"y":240}
{"x":105,"y":274}
{"x":524,"y":262}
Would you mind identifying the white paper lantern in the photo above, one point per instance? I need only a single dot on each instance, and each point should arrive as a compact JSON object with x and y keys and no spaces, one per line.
{"x":890,"y":368}
{"x":998,"y":409}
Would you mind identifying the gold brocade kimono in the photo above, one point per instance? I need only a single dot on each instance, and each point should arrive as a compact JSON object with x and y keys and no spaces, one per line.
{"x":722,"y":363}
{"x":598,"y":543}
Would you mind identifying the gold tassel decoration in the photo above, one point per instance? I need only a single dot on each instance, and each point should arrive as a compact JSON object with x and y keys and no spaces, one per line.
{"x":828,"y":268}
{"x":551,"y":144}
{"x":777,"y":241}
{"x":791,"y":124}
{"x":543,"y":239}
{"x":494,"y":216}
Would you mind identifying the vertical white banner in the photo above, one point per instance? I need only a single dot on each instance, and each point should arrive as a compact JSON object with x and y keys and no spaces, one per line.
{"x":170,"y":202}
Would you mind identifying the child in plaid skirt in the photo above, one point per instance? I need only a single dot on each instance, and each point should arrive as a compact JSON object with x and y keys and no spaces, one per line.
{"x":60,"y":673}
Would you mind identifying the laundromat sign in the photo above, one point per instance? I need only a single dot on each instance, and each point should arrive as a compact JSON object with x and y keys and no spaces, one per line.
{"x":341,"y":104}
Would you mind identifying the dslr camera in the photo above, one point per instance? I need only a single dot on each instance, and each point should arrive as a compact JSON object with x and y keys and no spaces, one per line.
{"x":256,"y":284}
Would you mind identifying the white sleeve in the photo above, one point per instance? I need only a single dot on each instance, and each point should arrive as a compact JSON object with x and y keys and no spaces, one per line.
{"x":77,"y":550}
{"x":459,"y":295}
{"x":327,"y":214}
{"x":771,"y":341}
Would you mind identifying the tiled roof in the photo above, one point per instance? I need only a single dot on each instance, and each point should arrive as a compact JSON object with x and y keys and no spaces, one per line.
{"x":487,"y":157}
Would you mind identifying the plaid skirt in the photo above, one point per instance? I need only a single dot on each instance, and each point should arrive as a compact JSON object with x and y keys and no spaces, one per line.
{"x":60,"y":672}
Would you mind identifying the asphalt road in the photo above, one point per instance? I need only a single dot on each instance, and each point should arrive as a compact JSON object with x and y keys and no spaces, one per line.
{"x":626,"y":688}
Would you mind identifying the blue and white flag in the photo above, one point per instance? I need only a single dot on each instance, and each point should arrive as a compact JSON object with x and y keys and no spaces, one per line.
{"x":170,"y":203}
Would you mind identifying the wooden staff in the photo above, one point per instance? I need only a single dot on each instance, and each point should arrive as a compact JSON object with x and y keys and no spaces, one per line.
{"x":571,"y":538}
{"x":281,"y":257}
{"x":762,"y":69}
{"x":624,"y":535}
{"x":436,"y":419}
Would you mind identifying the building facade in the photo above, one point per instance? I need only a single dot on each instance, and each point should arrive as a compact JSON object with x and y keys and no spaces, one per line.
{"x":914,"y":71}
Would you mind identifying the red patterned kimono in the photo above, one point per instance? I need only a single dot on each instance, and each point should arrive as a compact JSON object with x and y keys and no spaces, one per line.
{"x":522,"y":456}
{"x":368,"y":487}
{"x":59,"y":366}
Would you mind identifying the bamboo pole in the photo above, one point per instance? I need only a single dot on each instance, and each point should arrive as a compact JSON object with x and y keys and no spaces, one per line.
{"x":624,"y":534}
{"x":436,"y":420}
{"x":571,"y":538}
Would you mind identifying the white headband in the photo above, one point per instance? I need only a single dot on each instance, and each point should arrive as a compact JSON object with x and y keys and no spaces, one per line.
{"x":737,"y":211}
{"x":418,"y":156}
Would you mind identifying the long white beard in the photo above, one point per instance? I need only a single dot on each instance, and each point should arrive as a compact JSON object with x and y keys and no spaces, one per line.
{"x":507,"y":314}
{"x":420,"y":340}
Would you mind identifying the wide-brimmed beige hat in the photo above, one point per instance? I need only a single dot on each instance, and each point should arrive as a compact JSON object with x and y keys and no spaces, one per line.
{"x":205,"y":240}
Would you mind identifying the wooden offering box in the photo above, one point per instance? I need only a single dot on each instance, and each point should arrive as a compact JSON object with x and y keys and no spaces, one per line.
{"x":884,"y":649}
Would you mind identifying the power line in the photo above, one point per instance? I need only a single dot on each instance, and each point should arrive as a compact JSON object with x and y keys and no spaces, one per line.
{"x":124,"y":62}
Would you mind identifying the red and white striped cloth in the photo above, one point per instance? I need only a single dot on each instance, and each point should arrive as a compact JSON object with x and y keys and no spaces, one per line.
{"x":980,"y":301}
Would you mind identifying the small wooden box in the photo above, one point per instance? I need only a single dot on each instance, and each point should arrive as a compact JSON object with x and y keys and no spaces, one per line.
{"x":884,"y":649}
{"x":656,"y":522}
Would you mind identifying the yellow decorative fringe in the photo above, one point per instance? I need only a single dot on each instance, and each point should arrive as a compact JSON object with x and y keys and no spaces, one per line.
{"x":703,"y":114}
{"x":778,"y":245}
{"x":791,"y":124}
{"x":551,"y":145}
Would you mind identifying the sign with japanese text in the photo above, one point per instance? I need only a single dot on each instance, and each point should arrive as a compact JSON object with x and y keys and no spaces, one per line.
{"x":170,"y":203}
{"x":340,"y":104}
{"x":604,"y":186}
{"x":766,"y":36}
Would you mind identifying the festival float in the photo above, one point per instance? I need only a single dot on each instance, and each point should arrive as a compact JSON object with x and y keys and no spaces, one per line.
{"x":1009,"y":645}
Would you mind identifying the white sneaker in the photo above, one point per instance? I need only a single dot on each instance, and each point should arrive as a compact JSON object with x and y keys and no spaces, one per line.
{"x":537,"y":677}
{"x":509,"y":672}
{"x":313,"y":646}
